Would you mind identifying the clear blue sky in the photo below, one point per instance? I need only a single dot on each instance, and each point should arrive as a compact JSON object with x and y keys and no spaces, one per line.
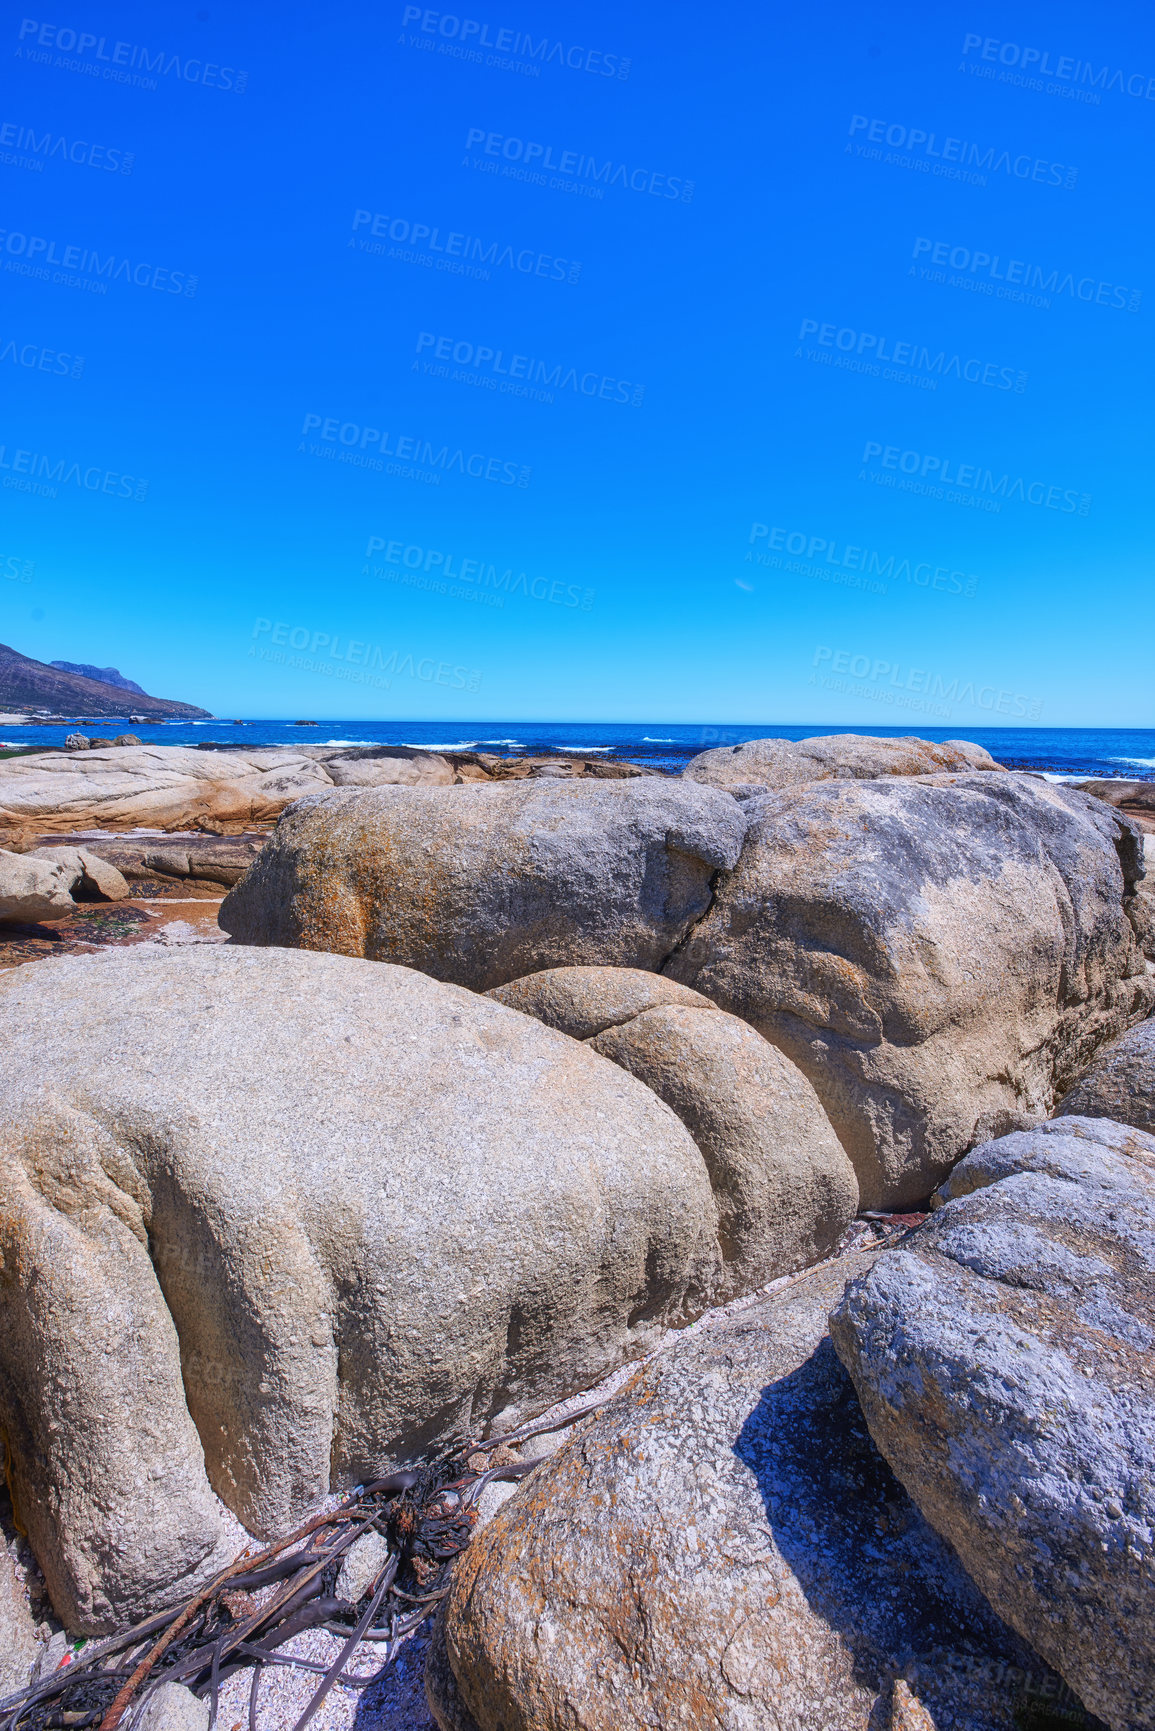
{"x":853,"y":383}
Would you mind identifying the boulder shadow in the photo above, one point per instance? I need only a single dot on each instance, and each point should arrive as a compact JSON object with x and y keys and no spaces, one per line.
{"x":874,"y":1570}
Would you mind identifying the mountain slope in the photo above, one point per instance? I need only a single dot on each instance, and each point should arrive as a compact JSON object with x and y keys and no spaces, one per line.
{"x":27,"y":684}
{"x":106,"y":675}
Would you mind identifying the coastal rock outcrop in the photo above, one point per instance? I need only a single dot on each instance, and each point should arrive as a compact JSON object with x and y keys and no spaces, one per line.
{"x":722,"y":1546}
{"x":784,"y":1187}
{"x":174,"y":787}
{"x":413,"y":1213}
{"x":832,"y":757}
{"x":32,"y":890}
{"x":941,"y":955}
{"x":1003,"y":1358}
{"x":483,"y":884}
{"x":1120,"y":1083}
{"x":86,"y":873}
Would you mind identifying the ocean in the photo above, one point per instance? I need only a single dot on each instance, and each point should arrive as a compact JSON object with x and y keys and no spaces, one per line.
{"x":1074,"y":752}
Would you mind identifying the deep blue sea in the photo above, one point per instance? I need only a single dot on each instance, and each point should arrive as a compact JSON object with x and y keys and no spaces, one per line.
{"x":1073,"y":751}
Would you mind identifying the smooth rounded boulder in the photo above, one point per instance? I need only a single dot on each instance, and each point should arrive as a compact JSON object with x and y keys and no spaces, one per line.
{"x":275,"y":1221}
{"x":481,"y":884}
{"x":784,"y":1187}
{"x":1003,"y":1358}
{"x":586,"y":1001}
{"x":832,"y":757}
{"x":940,"y":955}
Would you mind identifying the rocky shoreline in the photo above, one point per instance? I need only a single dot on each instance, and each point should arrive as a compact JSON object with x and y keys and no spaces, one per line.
{"x":513,"y":1075}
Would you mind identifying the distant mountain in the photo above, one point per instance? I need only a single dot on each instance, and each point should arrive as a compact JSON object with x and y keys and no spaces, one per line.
{"x":106,"y":675}
{"x":26,"y":684}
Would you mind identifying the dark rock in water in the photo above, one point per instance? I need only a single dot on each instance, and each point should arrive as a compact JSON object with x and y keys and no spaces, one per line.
{"x":1004,"y":1356}
{"x":941,"y":955}
{"x":1120,"y":1083}
{"x":723,"y":1546}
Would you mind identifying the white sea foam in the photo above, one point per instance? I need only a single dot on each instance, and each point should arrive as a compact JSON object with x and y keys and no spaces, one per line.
{"x":1140,"y":762}
{"x":439,"y":745}
{"x":657,"y":739}
{"x":347,"y":742}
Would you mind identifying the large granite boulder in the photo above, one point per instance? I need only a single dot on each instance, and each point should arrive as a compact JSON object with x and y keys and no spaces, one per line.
{"x":1003,"y":1358}
{"x":1120,"y":1082}
{"x":172,"y":786}
{"x":33,"y":890}
{"x":941,"y":955}
{"x":722,"y":1546}
{"x":784,"y":1187}
{"x":832,"y":757}
{"x":276,"y":1220}
{"x":483,"y":884}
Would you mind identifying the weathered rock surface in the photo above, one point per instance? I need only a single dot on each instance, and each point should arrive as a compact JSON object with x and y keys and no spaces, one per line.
{"x":1120,"y":1083}
{"x":19,"y":1648}
{"x":88,"y":875}
{"x":361,"y":1565}
{"x":485,"y":884}
{"x":1003,"y":1358}
{"x":32,"y":890}
{"x":409,"y":1212}
{"x":832,"y":757}
{"x":1048,"y":1148}
{"x":172,"y":1707}
{"x":120,"y":784}
{"x":162,"y":786}
{"x":784,"y":1187}
{"x":941,"y":955}
{"x":585,"y":1001}
{"x":1140,"y":794}
{"x":206,"y":859}
{"x":723,"y":1549}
